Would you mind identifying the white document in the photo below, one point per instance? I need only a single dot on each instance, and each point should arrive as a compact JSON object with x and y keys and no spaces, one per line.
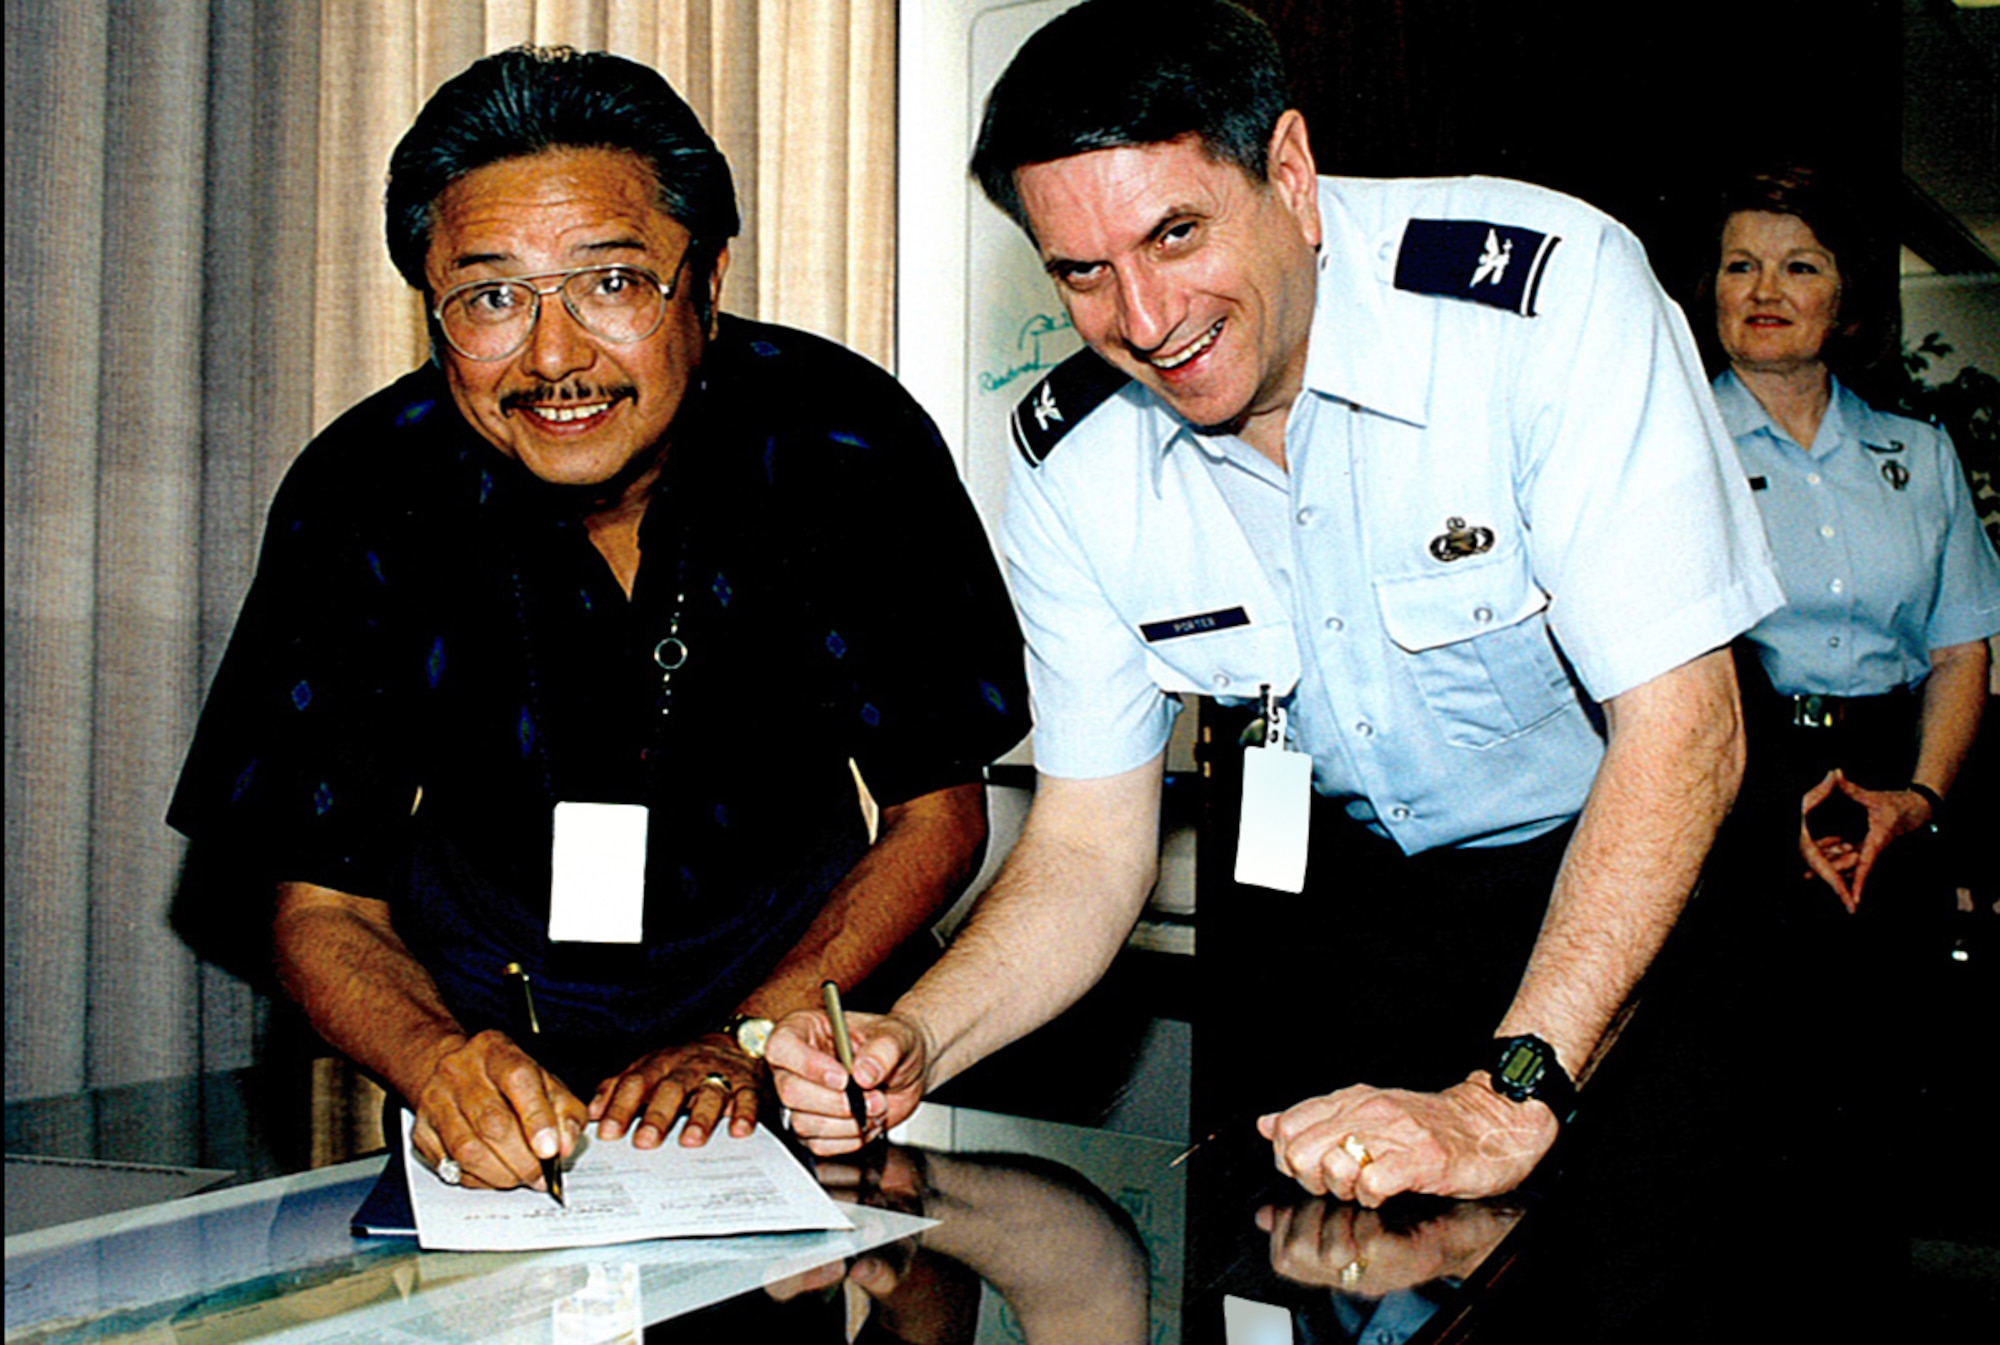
{"x":617,"y":1193}
{"x":598,"y":893}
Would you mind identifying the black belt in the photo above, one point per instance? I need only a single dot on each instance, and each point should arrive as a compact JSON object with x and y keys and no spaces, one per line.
{"x":1817,"y":711}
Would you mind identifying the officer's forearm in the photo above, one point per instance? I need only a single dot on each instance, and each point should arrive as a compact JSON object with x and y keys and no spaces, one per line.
{"x":1046,"y":930}
{"x":1670,"y":772}
{"x":926,"y":850}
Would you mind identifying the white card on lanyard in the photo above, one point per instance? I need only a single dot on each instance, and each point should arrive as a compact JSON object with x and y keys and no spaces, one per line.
{"x":1275,"y":830}
{"x":598,"y":892}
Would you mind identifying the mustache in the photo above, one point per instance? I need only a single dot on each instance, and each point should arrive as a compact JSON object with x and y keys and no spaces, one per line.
{"x":568,"y":392}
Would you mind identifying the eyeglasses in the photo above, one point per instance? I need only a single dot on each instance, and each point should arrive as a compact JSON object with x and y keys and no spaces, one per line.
{"x":492,"y":319}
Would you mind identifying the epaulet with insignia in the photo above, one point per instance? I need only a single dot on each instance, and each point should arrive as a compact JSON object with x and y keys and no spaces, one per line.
{"x":1068,"y":393}
{"x":1495,"y":264}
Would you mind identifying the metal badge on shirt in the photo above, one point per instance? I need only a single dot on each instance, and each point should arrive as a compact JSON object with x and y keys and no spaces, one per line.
{"x":1894,"y":472}
{"x":598,"y":893}
{"x":1274,"y":832}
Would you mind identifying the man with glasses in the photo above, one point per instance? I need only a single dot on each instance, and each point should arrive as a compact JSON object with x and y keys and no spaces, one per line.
{"x":544,"y":713}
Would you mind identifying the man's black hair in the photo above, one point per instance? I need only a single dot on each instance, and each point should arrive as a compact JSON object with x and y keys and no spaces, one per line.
{"x":527,"y":100}
{"x":1115,"y":73}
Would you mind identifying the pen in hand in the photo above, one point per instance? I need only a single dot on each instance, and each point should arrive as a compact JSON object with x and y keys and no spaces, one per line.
{"x":857,"y":1101}
{"x":551,"y":1167}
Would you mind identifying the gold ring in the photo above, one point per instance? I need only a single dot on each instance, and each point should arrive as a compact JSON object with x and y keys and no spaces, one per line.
{"x":1351,"y":1273}
{"x":720,"y":1081}
{"x":1357,"y":1151}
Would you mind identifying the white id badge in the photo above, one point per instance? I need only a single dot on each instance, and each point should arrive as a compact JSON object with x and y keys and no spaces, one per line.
{"x":1274,"y":831}
{"x":599,"y":889}
{"x":1245,"y":1321}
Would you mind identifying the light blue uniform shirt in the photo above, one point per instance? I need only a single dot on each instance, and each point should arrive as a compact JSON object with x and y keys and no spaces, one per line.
{"x":1445,"y":700}
{"x":1878,"y":545}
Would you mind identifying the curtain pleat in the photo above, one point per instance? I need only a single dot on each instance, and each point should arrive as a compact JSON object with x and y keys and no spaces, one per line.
{"x":55,"y":137}
{"x":197,"y":281}
{"x":148,"y":493}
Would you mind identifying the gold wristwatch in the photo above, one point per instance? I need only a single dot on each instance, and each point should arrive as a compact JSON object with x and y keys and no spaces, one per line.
{"x":750,"y":1033}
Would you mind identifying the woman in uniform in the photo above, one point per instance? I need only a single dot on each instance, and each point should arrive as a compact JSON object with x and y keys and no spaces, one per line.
{"x":1865,"y":692}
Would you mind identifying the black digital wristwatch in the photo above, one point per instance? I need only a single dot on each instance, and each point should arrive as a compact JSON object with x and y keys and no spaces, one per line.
{"x":1526,"y":1067}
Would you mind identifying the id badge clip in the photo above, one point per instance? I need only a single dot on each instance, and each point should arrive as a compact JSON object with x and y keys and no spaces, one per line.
{"x":1274,"y":832}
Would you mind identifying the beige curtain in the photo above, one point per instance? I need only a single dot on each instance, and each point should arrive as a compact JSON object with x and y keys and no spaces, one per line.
{"x":196,"y":280}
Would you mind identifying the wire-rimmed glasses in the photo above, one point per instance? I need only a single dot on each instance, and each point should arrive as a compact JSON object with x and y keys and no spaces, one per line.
{"x":490,"y":320}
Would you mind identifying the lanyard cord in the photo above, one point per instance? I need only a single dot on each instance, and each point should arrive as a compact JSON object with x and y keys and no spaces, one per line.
{"x":670,"y":653}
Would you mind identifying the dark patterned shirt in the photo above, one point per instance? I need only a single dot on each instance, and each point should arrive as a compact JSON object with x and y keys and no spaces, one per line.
{"x":433,"y":654}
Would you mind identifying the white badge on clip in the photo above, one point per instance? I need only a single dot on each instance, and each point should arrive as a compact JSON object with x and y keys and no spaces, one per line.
{"x":1273,"y":835}
{"x":598,"y":892}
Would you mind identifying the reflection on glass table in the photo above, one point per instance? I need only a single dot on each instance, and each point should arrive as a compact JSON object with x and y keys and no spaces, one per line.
{"x":1387,"y":1272}
{"x":275,"y":1261}
{"x":1045,"y":1233}
{"x":1025,"y":1249}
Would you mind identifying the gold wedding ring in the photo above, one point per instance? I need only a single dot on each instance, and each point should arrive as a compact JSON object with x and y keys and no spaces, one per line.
{"x":1357,"y":1151}
{"x":720,"y":1081}
{"x":1351,"y":1273}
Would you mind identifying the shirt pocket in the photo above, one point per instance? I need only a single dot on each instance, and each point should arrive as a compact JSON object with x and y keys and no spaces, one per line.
{"x":1476,"y":644}
{"x":1227,"y":663}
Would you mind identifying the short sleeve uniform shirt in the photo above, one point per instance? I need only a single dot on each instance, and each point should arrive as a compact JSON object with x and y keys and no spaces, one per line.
{"x":1878,"y":544}
{"x":1509,"y":496}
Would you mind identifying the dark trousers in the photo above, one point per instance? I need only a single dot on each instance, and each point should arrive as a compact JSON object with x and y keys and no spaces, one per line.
{"x":1713,"y":1123}
{"x":1389,"y":969}
{"x":1827,"y":989}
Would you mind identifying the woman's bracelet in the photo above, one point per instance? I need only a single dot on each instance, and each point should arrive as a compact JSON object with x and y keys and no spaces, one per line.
{"x":1930,"y":796}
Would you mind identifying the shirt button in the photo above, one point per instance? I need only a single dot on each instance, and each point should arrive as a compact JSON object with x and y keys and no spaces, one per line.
{"x":1839,"y":586}
{"x":1826,"y":530}
{"x":1306,"y":516}
{"x":1221,"y":680}
{"x":1833,"y":642}
{"x":1335,"y":623}
{"x":1365,"y":729}
{"x":1399,"y":814}
{"x":1482,"y":614}
{"x":1812,"y":478}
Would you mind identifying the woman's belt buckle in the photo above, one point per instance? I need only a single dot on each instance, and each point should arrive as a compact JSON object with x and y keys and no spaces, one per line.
{"x":1816,"y":711}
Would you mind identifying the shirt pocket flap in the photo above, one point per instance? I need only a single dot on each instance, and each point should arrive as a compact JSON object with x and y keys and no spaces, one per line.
{"x":1227,"y":663}
{"x":1444,"y":606}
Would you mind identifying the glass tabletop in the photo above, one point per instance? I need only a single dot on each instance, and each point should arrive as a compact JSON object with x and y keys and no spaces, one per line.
{"x":1040,"y":1231}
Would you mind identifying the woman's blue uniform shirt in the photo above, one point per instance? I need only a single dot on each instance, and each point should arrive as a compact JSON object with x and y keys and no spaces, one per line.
{"x":1878,"y":544}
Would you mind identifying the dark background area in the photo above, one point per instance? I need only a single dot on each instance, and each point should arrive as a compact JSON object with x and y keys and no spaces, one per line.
{"x":1636,"y":108}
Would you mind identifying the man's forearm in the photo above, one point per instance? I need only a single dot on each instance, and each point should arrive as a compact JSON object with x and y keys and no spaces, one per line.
{"x":341,"y":959}
{"x":925,"y":852}
{"x":1671,"y":768}
{"x":1052,"y":921}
